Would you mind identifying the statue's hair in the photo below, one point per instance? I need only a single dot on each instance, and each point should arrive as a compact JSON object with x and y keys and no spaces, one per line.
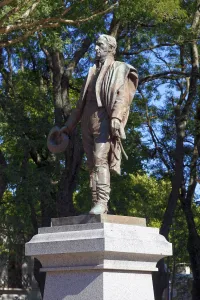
{"x":111,"y":41}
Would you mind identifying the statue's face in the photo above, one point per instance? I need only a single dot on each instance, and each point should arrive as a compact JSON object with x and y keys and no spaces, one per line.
{"x":102,"y":48}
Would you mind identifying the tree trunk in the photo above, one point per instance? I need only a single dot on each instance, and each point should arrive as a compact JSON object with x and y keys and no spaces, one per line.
{"x":15,"y":266}
{"x":193,"y":246}
{"x":3,"y":181}
{"x":193,"y":243}
{"x":181,"y":117}
{"x":74,"y":152}
{"x":161,"y":278}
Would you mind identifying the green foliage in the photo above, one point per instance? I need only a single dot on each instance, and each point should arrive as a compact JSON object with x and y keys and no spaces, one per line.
{"x":132,"y":195}
{"x":142,"y":196}
{"x":15,"y":222}
{"x":27,"y":113}
{"x":27,"y":117}
{"x":151,"y":10}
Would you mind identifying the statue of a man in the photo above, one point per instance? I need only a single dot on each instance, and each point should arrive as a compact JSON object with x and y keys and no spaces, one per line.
{"x":103,"y":109}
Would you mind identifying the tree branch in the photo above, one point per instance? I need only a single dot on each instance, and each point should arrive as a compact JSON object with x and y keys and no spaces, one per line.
{"x":5,"y":2}
{"x":52,"y":22}
{"x":114,"y":26}
{"x":30,"y":10}
{"x":193,"y":79}
{"x":148,"y":48}
{"x":9,"y":13}
{"x":17,"y":40}
{"x":163,"y":74}
{"x":78,"y":55}
{"x":156,"y":141}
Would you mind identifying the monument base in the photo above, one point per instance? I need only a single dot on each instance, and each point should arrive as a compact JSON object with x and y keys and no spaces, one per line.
{"x":100,"y":257}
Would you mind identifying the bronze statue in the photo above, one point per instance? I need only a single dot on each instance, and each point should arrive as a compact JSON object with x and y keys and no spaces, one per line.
{"x":103,"y":109}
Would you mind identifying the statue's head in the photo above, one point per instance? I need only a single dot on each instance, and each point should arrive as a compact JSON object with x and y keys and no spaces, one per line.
{"x":105,"y":46}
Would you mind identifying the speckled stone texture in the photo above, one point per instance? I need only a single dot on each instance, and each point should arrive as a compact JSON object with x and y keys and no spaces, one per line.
{"x":105,"y":258}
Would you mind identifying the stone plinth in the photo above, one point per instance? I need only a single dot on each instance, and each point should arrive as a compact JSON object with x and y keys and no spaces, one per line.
{"x":98,"y":257}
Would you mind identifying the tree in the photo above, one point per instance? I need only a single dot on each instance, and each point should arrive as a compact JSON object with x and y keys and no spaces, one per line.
{"x":172,"y":153}
{"x":160,"y":38}
{"x":30,"y":81}
{"x":19,"y":20}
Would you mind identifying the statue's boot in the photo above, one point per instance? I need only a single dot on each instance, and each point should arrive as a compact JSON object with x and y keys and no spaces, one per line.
{"x":102,"y":191}
{"x":101,"y":207}
{"x":93,"y":186}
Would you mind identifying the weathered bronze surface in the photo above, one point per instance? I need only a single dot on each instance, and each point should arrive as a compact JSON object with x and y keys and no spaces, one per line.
{"x":103,"y":109}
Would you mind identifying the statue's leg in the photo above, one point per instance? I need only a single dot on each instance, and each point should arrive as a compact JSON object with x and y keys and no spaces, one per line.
{"x":101,"y":168}
{"x":96,"y":143}
{"x":102,"y":190}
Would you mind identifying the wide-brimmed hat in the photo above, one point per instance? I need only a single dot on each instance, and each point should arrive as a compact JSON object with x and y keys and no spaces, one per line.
{"x":57,"y":141}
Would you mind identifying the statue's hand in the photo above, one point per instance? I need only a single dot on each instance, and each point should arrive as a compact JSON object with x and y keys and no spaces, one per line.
{"x":115,"y":126}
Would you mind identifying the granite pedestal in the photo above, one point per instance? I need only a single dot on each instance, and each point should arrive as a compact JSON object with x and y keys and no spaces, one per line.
{"x":100,"y":257}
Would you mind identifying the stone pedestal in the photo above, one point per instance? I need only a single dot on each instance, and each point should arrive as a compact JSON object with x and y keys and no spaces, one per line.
{"x":98,"y":257}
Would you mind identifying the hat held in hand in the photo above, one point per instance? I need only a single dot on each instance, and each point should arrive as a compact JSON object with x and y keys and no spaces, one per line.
{"x":57,"y":141}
